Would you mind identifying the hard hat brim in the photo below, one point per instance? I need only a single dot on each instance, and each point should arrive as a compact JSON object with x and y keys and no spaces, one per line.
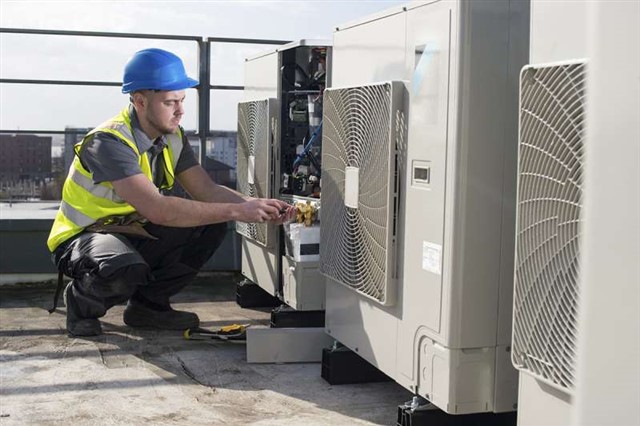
{"x":182,"y":84}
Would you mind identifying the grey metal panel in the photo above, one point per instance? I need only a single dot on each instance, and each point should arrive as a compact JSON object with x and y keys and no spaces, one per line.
{"x":303,"y":286}
{"x":428,"y":51}
{"x":558,"y":30}
{"x":608,"y":370}
{"x":19,"y":237}
{"x":506,"y":381}
{"x":476,"y":203}
{"x":518,"y":57}
{"x":370,"y":53}
{"x":261,"y":77}
{"x":457,"y":380}
{"x":534,"y":395}
{"x":363,"y":325}
{"x":282,"y":345}
{"x":384,"y":14}
{"x":260,"y":264}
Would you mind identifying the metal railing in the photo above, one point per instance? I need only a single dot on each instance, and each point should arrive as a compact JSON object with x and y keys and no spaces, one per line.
{"x":204,"y":72}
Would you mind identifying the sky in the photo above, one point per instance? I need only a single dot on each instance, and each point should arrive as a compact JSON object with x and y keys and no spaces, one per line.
{"x":53,"y":107}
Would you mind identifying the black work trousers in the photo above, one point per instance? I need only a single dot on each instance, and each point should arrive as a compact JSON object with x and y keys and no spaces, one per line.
{"x":108,"y":269}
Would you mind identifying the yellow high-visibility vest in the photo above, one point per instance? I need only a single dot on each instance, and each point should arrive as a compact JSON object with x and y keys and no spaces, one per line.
{"x":84,"y":202}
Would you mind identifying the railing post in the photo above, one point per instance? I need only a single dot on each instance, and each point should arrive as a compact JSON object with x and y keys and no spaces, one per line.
{"x":204,"y":94}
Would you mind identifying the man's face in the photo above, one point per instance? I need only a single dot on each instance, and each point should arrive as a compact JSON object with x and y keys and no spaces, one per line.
{"x":162,"y":111}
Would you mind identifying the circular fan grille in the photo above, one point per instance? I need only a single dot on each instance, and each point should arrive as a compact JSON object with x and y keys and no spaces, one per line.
{"x":355,"y":242}
{"x":253,"y":146}
{"x":552,"y":121}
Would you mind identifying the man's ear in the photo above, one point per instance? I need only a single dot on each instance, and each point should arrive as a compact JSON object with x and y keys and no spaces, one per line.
{"x":138,"y":99}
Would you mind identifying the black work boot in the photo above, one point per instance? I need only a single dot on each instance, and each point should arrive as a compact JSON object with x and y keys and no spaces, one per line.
{"x":141,"y":313}
{"x":76,"y":325}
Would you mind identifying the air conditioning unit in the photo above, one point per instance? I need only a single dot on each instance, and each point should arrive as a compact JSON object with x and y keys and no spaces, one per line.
{"x":554,"y":332}
{"x":419,"y":158}
{"x":279,"y":157}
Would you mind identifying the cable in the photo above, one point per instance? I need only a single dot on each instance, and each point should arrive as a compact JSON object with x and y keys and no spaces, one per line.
{"x":305,"y":151}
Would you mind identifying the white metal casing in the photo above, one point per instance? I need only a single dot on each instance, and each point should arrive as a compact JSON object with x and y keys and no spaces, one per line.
{"x":552,"y":42}
{"x":261,"y":264}
{"x":283,"y":345}
{"x":303,"y":287}
{"x":447,"y":336}
{"x":606,"y":389}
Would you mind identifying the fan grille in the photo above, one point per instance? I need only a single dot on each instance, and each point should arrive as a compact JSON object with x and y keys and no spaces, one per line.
{"x":362,"y":127}
{"x":550,"y":179}
{"x":254,"y":147}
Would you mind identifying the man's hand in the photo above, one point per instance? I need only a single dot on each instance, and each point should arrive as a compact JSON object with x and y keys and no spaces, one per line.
{"x":287,"y":214}
{"x":261,"y":210}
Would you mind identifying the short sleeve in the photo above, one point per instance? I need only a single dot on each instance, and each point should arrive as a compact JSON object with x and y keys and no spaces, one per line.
{"x":109,"y":159}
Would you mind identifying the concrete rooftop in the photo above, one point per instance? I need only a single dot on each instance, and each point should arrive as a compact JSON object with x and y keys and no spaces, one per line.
{"x":133,"y":376}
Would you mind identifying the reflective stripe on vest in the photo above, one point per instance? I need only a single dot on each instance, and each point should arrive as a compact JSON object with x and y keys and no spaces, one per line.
{"x":84,"y":202}
{"x":101,"y":191}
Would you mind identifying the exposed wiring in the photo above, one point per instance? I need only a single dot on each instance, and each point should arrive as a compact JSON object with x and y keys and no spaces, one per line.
{"x":305,"y":151}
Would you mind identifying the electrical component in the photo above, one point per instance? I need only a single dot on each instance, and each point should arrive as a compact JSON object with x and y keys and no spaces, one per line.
{"x":304,"y":82}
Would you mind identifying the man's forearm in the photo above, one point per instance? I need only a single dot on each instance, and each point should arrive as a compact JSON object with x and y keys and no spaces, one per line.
{"x":212,"y":203}
{"x":200,"y":186}
{"x":180,"y":212}
{"x":225,"y":194}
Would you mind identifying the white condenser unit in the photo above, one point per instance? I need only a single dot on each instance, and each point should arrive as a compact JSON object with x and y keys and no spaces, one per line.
{"x":279,"y":123}
{"x":419,"y":156}
{"x":572,"y":88}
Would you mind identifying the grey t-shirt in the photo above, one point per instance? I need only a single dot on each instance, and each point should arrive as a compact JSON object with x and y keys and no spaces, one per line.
{"x":109,"y":159}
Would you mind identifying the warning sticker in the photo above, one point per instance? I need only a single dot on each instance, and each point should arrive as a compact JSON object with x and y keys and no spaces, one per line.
{"x":431,"y":257}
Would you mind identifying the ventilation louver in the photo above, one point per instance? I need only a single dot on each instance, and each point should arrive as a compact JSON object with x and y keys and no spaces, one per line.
{"x":363,"y":126}
{"x":550,"y":179}
{"x":254,"y":160}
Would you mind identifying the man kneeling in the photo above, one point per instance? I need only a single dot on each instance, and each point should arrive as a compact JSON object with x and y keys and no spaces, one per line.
{"x":117,"y":234}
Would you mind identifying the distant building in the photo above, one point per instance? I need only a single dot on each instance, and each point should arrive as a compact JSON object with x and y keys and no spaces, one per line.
{"x":194,"y":141}
{"x":220,"y":161}
{"x":24,"y":158}
{"x":219,"y":172}
{"x":223,"y":147}
{"x":72,"y":136}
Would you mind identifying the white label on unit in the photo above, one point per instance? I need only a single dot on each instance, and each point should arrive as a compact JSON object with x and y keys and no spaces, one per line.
{"x":251,"y":169}
{"x":431,"y":257}
{"x":351,"y":184}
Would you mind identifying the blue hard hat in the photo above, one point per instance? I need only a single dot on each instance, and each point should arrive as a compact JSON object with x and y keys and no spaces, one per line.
{"x":155,"y":69}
